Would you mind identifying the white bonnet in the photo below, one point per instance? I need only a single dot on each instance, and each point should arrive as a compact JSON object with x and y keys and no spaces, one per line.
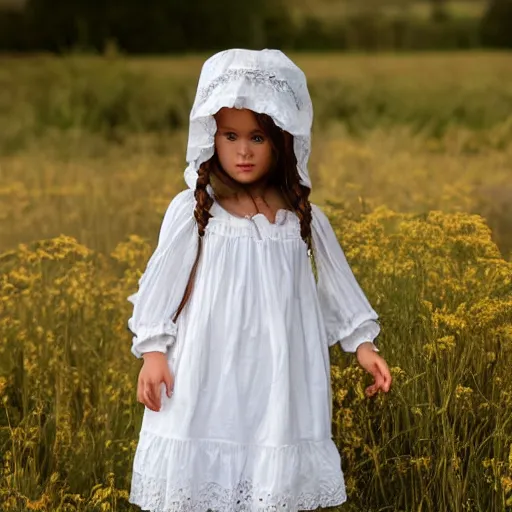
{"x":265,"y":81}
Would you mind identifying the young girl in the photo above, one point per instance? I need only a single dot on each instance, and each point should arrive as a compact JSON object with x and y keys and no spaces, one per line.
{"x":232,"y":323}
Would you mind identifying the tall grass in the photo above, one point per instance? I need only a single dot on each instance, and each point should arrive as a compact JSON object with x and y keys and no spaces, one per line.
{"x":117,"y":96}
{"x":420,"y":200}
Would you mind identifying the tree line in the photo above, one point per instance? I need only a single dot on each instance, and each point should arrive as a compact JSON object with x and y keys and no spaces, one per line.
{"x":176,"y":26}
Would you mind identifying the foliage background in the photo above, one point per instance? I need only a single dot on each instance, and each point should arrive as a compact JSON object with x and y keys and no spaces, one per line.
{"x":162,"y":26}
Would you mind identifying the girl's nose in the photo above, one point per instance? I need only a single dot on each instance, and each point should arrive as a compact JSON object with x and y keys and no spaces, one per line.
{"x":244,"y":149}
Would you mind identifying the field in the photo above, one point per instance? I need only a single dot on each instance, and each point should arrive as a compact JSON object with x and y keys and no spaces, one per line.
{"x":412,"y":161}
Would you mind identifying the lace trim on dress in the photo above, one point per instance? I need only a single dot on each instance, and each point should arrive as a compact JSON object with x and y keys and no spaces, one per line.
{"x":197,"y":475}
{"x":158,"y":496}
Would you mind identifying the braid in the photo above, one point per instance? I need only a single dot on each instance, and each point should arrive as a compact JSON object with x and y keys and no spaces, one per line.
{"x":300,"y":200}
{"x":304,"y":212}
{"x":202,"y":215}
{"x":203,"y":200}
{"x":296,"y":194}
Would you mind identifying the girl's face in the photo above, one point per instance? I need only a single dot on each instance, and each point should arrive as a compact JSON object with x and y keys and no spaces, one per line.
{"x":244,"y":151}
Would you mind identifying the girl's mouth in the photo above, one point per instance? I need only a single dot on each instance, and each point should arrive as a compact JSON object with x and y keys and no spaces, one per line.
{"x":245,"y":167}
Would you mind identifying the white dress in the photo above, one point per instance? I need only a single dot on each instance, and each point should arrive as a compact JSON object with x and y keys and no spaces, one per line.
{"x":248,"y":427}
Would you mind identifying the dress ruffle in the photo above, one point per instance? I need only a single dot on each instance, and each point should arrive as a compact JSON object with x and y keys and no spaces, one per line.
{"x":367,"y":329}
{"x":174,"y":475}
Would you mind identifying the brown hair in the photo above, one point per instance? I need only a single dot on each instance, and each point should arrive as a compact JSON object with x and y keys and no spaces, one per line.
{"x":284,"y":175}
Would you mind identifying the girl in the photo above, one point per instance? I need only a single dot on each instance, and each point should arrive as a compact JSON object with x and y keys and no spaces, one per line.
{"x":233,"y":326}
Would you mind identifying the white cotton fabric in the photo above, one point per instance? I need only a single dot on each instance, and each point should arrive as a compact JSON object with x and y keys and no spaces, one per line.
{"x":248,"y":427}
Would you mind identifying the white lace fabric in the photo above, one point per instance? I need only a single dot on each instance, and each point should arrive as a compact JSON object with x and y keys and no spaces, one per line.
{"x":156,"y":495}
{"x":267,"y":482}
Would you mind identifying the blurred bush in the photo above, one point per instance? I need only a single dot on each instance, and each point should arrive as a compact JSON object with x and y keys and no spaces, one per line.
{"x":160,"y":26}
{"x":115,"y":96}
{"x":497,"y":24}
{"x":370,"y":31}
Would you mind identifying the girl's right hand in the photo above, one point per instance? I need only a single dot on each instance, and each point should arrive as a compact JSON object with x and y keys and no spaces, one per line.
{"x":154,"y":371}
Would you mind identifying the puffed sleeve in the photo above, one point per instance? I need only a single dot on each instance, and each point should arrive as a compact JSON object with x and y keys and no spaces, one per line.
{"x":163,"y":283}
{"x":349,"y":317}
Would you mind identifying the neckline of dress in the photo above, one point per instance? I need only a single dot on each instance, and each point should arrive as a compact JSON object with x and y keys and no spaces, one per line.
{"x":280,"y":216}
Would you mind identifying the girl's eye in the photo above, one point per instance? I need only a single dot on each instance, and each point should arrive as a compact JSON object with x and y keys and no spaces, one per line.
{"x":256,"y":138}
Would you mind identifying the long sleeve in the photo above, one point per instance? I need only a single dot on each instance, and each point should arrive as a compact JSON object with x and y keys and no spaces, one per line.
{"x":348,"y":316}
{"x":163,"y":283}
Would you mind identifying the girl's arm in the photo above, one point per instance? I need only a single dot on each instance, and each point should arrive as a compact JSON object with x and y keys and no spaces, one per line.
{"x":348,"y":316}
{"x":163,"y":282}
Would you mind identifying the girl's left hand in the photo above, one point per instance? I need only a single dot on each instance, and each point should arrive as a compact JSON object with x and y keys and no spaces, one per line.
{"x":376,"y":366}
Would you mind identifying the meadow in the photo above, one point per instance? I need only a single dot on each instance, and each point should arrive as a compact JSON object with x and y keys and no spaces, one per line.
{"x":411,"y":160}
